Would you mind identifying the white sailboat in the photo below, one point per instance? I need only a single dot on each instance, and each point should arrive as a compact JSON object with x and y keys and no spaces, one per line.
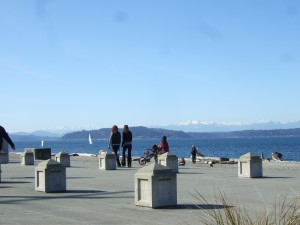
{"x":90,"y":139}
{"x":42,"y":144}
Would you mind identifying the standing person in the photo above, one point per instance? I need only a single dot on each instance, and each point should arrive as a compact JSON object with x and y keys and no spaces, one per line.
{"x":114,"y":142}
{"x":164,"y":146}
{"x":126,"y":144}
{"x":4,"y":135}
{"x":155,"y":152}
{"x":194,"y":153}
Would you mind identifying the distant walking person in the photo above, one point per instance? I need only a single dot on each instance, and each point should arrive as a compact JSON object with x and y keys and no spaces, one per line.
{"x":164,"y":146}
{"x":194,"y":153}
{"x":126,"y":144}
{"x":4,"y":135}
{"x":114,"y":142}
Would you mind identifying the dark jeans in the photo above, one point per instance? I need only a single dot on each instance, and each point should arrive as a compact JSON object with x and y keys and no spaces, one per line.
{"x":116,"y":149}
{"x":194,"y":158}
{"x":155,"y":158}
{"x":125,"y":147}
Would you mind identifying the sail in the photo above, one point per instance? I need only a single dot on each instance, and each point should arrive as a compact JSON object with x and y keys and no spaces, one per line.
{"x":42,"y":144}
{"x":90,"y":139}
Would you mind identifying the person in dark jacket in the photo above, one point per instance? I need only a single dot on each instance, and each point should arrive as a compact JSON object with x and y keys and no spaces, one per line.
{"x":114,"y":142}
{"x":277,"y":156}
{"x":4,"y":135}
{"x":194,"y":153}
{"x":126,"y":144}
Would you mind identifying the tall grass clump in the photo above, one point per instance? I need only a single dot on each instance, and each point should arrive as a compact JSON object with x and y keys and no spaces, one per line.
{"x":224,"y":212}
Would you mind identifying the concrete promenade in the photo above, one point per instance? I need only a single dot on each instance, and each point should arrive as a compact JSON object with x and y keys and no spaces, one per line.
{"x":94,"y":196}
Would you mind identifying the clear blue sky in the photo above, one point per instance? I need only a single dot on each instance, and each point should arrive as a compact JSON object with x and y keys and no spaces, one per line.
{"x":95,"y":63}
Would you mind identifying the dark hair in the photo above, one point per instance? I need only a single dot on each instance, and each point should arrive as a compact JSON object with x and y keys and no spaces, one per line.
{"x":114,"y":128}
{"x":155,"y":147}
{"x":125,"y":129}
{"x":164,"y":138}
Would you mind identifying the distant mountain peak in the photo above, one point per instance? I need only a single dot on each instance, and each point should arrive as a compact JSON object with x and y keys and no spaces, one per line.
{"x":209,"y":123}
{"x":211,"y":126}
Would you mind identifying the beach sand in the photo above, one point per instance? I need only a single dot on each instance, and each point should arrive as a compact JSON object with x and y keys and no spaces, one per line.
{"x":277,"y":165}
{"x":95,"y":196}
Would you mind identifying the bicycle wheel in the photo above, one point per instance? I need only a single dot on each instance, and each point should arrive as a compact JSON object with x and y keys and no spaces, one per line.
{"x":142,"y":161}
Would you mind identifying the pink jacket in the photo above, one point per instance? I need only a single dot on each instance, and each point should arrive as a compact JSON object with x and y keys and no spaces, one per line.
{"x":164,"y":147}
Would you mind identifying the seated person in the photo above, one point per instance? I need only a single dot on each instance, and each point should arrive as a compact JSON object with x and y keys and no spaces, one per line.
{"x":277,"y":156}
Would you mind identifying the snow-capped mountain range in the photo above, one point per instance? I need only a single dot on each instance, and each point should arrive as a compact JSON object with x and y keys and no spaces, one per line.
{"x":205,"y":126}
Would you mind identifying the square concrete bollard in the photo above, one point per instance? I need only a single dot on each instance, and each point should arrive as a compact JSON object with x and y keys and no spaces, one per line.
{"x":250,"y":166}
{"x":27,"y":158}
{"x":0,"y":172}
{"x":107,"y":161}
{"x":4,"y":154}
{"x":50,"y":176}
{"x":169,"y":160}
{"x":42,"y":153}
{"x":155,"y":186}
{"x":63,"y":158}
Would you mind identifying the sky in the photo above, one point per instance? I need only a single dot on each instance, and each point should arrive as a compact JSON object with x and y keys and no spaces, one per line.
{"x":94,"y":63}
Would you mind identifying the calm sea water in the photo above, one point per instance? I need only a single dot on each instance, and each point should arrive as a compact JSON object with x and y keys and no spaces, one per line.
{"x":214,"y":147}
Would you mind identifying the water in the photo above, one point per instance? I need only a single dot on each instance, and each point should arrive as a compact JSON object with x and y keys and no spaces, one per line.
{"x":214,"y":147}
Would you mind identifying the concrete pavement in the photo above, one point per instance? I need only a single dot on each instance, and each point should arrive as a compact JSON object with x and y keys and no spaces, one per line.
{"x":94,"y":196}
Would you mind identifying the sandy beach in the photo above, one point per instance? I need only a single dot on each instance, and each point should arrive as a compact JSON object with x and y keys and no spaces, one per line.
{"x":95,"y":196}
{"x":280,"y":165}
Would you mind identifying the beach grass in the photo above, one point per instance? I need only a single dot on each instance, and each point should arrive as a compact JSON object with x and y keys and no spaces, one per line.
{"x":284,"y":212}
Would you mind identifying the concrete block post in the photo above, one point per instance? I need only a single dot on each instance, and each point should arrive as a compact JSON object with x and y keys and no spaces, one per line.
{"x":63,"y":158}
{"x":50,"y":176}
{"x":107,"y":161}
{"x":42,"y":153}
{"x":169,"y":160}
{"x":4,"y":155}
{"x":250,"y":165}
{"x":27,"y":158}
{"x":155,"y":186}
